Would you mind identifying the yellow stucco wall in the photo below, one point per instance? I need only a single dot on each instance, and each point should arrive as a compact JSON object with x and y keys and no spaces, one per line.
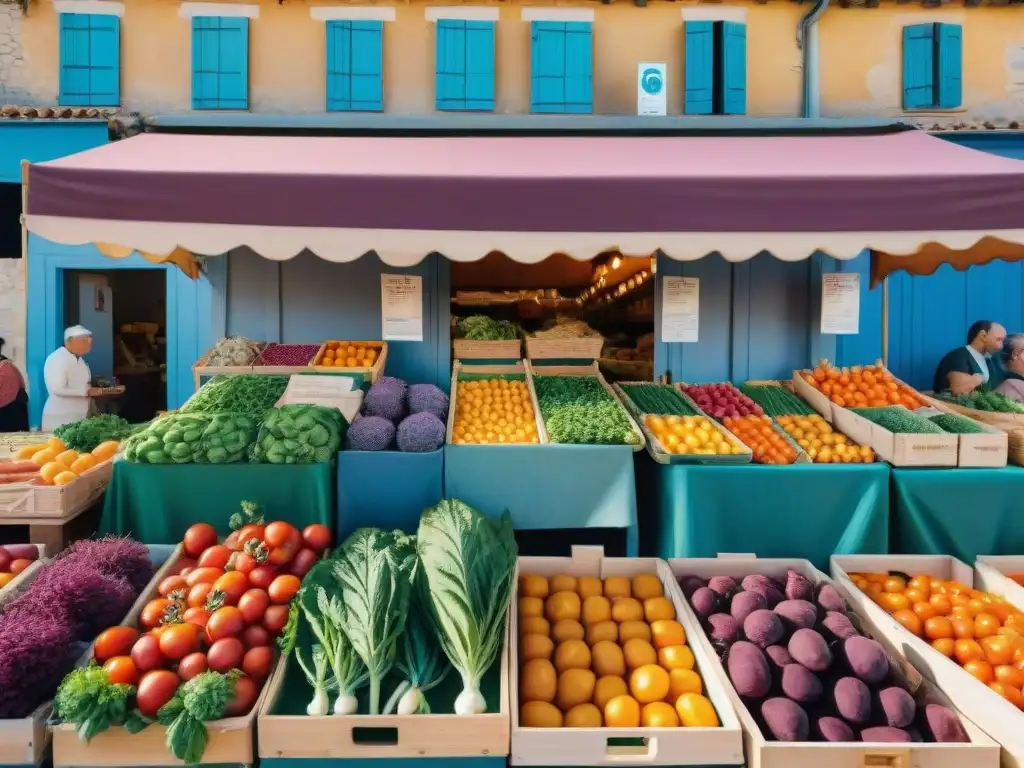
{"x":287,"y":57}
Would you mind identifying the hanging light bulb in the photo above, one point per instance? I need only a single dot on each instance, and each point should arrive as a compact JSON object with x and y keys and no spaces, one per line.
{"x":616,"y":262}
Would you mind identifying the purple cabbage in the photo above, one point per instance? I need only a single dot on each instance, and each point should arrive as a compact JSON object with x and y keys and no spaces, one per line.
{"x":386,"y":399}
{"x":370,"y":433}
{"x":421,"y":433}
{"x":427,"y":398}
{"x":116,"y":556}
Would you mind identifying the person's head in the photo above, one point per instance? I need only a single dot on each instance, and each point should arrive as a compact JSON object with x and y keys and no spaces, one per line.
{"x":78,"y":340}
{"x":1013,"y":353}
{"x":986,"y":336}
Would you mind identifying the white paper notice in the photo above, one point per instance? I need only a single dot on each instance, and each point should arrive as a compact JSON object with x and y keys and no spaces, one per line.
{"x":680,"y":308}
{"x":840,"y":303}
{"x":401,"y":307}
{"x":328,"y":390}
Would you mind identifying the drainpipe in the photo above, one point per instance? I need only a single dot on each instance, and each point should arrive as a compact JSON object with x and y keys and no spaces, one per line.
{"x":807,"y":42}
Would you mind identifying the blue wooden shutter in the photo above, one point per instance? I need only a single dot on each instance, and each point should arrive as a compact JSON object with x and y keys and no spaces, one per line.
{"x":698,"y":98}
{"x":465,"y":65}
{"x":355,"y":66}
{"x":220,"y":62}
{"x":561,"y":67}
{"x":90,"y":60}
{"x":951,"y":64}
{"x":919,"y":66}
{"x":734,"y":68}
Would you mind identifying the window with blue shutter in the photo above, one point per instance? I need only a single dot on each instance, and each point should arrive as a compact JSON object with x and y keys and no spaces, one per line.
{"x":90,"y":60}
{"x":932,"y":66}
{"x":220,"y":62}
{"x":355,"y":66}
{"x":715,"y":62}
{"x":465,"y":65}
{"x":561,"y":67}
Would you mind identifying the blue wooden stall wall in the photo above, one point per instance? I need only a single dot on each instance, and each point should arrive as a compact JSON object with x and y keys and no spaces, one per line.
{"x":40,"y":140}
{"x":189,"y":304}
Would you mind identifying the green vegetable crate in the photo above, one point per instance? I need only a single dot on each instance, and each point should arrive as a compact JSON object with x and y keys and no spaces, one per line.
{"x":996,"y":419}
{"x":470,"y":349}
{"x":979,"y":445}
{"x":692,"y":746}
{"x":230,"y":740}
{"x":901,"y":449}
{"x":517,"y":370}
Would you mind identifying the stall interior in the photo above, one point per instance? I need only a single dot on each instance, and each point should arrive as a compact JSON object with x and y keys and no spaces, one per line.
{"x":610,"y":297}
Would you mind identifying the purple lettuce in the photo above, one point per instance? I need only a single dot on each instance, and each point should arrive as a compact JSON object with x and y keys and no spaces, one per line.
{"x":427,"y":398}
{"x":370,"y":433}
{"x":114,"y":556}
{"x":421,"y":433}
{"x":386,"y":399}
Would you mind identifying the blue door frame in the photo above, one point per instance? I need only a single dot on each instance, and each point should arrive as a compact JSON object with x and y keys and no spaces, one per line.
{"x":189,"y":314}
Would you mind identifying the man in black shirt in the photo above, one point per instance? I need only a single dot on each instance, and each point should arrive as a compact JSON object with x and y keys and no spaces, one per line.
{"x":966,"y":368}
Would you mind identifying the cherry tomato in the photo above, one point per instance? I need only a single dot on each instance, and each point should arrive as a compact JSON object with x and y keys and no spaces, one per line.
{"x":317,"y":537}
{"x":253,"y":604}
{"x":261,"y":576}
{"x":304,"y":560}
{"x":257,"y":662}
{"x":283,"y":542}
{"x":156,"y":688}
{"x":197,"y":616}
{"x":199,"y":537}
{"x":203,"y":575}
{"x":116,"y":641}
{"x":283,"y":589}
{"x":214,"y":557}
{"x":146,"y":653}
{"x":179,"y":640}
{"x":154,"y":612}
{"x":246,"y":692}
{"x":198,"y":594}
{"x":251,"y":532}
{"x":233,"y":584}
{"x":121,"y":669}
{"x":17,"y":566}
{"x":172,"y":584}
{"x":224,"y":622}
{"x":255,"y":636}
{"x":275,"y":619}
{"x":186,"y":571}
{"x":192,"y":665}
{"x":231,"y":542}
{"x":183,"y":565}
{"x":225,"y":654}
{"x":242,"y":562}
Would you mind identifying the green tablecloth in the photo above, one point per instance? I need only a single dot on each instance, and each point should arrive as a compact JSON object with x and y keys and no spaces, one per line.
{"x":960,"y":512}
{"x":805,"y":510}
{"x":155,"y":503}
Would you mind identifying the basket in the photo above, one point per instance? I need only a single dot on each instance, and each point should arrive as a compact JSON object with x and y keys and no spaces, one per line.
{"x":1015,"y":446}
{"x":468,"y":349}
{"x":201,"y":369}
{"x":24,"y":503}
{"x":588,"y":348}
{"x":24,"y":578}
{"x":283,"y":370}
{"x":373,"y":373}
{"x":511,"y":370}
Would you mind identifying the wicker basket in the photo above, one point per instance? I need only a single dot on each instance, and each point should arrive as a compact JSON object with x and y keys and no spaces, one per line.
{"x":469,"y":349}
{"x":1016,"y":446}
{"x":564,"y":349}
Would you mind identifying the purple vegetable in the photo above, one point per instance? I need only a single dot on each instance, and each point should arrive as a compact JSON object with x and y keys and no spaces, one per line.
{"x":287,"y":354}
{"x":35,"y":654}
{"x":92,"y":601}
{"x":426,"y":398}
{"x":386,"y":399}
{"x":370,"y":433}
{"x":116,"y":556}
{"x":421,"y":433}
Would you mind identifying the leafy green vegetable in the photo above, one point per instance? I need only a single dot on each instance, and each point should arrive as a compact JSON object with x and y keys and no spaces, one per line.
{"x":300,"y":434}
{"x":483,"y":328}
{"x":88,"y":700}
{"x":957,"y":424}
{"x":238,"y":394}
{"x":203,"y":698}
{"x":83,"y":436}
{"x":577,"y":409}
{"x":899,"y":420}
{"x":469,"y":562}
{"x":984,"y":400}
{"x":187,"y":438}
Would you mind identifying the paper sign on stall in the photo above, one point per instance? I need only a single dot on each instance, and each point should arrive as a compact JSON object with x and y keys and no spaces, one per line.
{"x":840,"y":303}
{"x":680,"y":308}
{"x":401,"y":307}
{"x":329,"y":391}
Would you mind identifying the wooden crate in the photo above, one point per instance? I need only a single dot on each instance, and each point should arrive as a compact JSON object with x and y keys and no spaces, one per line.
{"x":408,"y":736}
{"x":982,"y":752}
{"x":26,"y":577}
{"x":815,"y":398}
{"x":12,"y":442}
{"x":201,"y":369}
{"x":985,"y":449}
{"x":26,"y":502}
{"x":590,"y":746}
{"x":1002,"y":721}
{"x":992,"y":418}
{"x":588,"y":348}
{"x":590,"y":369}
{"x":1015,"y":446}
{"x":516,"y":369}
{"x":231,"y":739}
{"x":468,"y":349}
{"x":373,"y":373}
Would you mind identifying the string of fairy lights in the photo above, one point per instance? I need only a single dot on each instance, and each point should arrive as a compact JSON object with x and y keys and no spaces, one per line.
{"x":603,"y":293}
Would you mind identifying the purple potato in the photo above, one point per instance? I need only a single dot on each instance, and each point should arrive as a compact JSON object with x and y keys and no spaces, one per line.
{"x":723,"y":585}
{"x":745,"y":603}
{"x":785,"y":719}
{"x":830,"y":600}
{"x":838,"y":625}
{"x":886,"y":735}
{"x":809,"y":648}
{"x":704,"y":602}
{"x":797,"y":614}
{"x":748,"y":670}
{"x":898,"y":707}
{"x":866,"y":658}
{"x":800,"y":684}
{"x":778,"y":655}
{"x":763,"y":628}
{"x":833,"y":729}
{"x":724,"y":628}
{"x":943,"y":725}
{"x":691,"y":584}
{"x":798,"y":587}
{"x":853,"y":700}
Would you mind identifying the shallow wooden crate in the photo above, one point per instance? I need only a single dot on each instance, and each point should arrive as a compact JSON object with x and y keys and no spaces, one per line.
{"x":24,"y":503}
{"x":201,"y":369}
{"x":372,"y":373}
{"x":989,"y":448}
{"x":517,"y":369}
{"x":992,"y":418}
{"x":815,"y":398}
{"x":588,"y":348}
{"x":1002,"y":721}
{"x":13,"y":587}
{"x":470,"y":349}
{"x":982,"y":752}
{"x":12,"y":442}
{"x":596,"y":746}
{"x":230,"y":739}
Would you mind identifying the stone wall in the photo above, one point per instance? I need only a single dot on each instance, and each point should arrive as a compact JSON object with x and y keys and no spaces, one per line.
{"x":13,"y":88}
{"x":13,"y":308}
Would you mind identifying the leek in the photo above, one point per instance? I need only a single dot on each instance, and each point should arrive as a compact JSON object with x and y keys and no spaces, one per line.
{"x":349,"y":671}
{"x":318,"y":678}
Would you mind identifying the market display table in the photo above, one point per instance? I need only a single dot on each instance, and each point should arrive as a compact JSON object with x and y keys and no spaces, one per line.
{"x":547,"y":487}
{"x":959,"y":512}
{"x":809,"y":511}
{"x":155,"y":503}
{"x":387,"y":489}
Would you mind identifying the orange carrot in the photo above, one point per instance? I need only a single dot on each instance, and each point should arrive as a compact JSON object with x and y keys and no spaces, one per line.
{"x":17,"y":467}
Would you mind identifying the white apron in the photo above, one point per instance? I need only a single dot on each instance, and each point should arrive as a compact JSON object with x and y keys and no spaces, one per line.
{"x":67,"y":380}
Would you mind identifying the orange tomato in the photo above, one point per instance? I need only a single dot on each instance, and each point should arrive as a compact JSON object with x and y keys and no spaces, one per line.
{"x":923,"y":610}
{"x":937,"y":628}
{"x":982,"y":670}
{"x":945,"y":645}
{"x":909,"y":620}
{"x":895,"y":584}
{"x":893,"y":601}
{"x":975,"y":606}
{"x":967,"y":650}
{"x":998,"y":649}
{"x":956,"y":588}
{"x":985,"y":625}
{"x":916,"y":595}
{"x":941,"y":604}
{"x":963,"y":627}
{"x":1007,"y":674}
{"x":1009,"y":692}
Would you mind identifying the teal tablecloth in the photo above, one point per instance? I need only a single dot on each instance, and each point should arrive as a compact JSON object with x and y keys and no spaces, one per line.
{"x":809,"y":511}
{"x":388,"y":489}
{"x":960,"y":512}
{"x":547,"y":487}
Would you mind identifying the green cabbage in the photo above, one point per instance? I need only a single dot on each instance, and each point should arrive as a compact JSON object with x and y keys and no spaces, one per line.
{"x":187,"y":438}
{"x":299,"y":434}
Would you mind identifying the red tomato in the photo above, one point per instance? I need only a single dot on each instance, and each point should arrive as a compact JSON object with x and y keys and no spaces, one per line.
{"x":184,"y":572}
{"x":253,"y":604}
{"x":225,"y":654}
{"x":198,"y":594}
{"x":146,"y":653}
{"x":231,"y":542}
{"x":255,"y":636}
{"x":257,"y":662}
{"x":179,"y":640}
{"x":261,"y":576}
{"x":116,"y":641}
{"x":233,"y":584}
{"x":156,"y":688}
{"x":197,"y":616}
{"x":214,"y":557}
{"x":224,"y":622}
{"x":283,"y":541}
{"x":172,"y":584}
{"x":246,"y":692}
{"x":251,"y":532}
{"x":317,"y":537}
{"x":199,"y":537}
{"x":192,"y":665}
{"x":203,"y":576}
{"x":17,"y":566}
{"x":304,"y":560}
{"x":155,"y":611}
{"x":242,"y":562}
{"x":182,"y":564}
{"x":283,"y":589}
{"x":121,"y":669}
{"x":275,"y":619}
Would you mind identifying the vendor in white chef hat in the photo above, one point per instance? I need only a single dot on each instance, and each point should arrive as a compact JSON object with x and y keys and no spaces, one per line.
{"x":68,"y":380}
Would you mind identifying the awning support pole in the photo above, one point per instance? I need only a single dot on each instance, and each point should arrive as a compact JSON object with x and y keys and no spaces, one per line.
{"x":885,"y":321}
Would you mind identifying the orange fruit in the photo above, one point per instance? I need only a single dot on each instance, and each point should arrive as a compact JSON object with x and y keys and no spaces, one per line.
{"x":567,"y":629}
{"x":658,"y":608}
{"x":572,"y":654}
{"x":607,"y":688}
{"x":603,"y":630}
{"x":676,"y":657}
{"x":945,"y":645}
{"x":941,"y":604}
{"x":893,"y":601}
{"x":922,"y":583}
{"x":646,"y":586}
{"x":1007,"y":674}
{"x":537,"y":681}
{"x":649,"y":683}
{"x":627,"y":609}
{"x":622,"y":712}
{"x":998,"y":649}
{"x":588,"y":586}
{"x":981,"y":670}
{"x":616,"y":586}
{"x":575,"y":686}
{"x":1009,"y":692}
{"x":634,"y":629}
{"x":938,"y":627}
{"x":583,"y":716}
{"x":639,"y":652}
{"x":682,"y":681}
{"x":985,"y":625}
{"x":975,"y":606}
{"x":968,"y":650}
{"x":923,"y":610}
{"x":535,"y":647}
{"x":909,"y":620}
{"x":895,"y":584}
{"x":666,"y":632}
{"x":963,"y":628}
{"x":658,"y":714}
{"x":534,"y":625}
{"x":696,"y":711}
{"x":608,"y":659}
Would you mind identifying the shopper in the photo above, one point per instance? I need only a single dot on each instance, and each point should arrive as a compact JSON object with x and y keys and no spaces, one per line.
{"x":13,"y":397}
{"x":966,"y":368}
{"x":68,"y":380}
{"x":1013,"y":362}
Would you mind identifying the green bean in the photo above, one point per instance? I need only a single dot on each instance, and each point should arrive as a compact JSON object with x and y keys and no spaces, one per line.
{"x":776,"y":400}
{"x":658,"y":399}
{"x":899,"y":420}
